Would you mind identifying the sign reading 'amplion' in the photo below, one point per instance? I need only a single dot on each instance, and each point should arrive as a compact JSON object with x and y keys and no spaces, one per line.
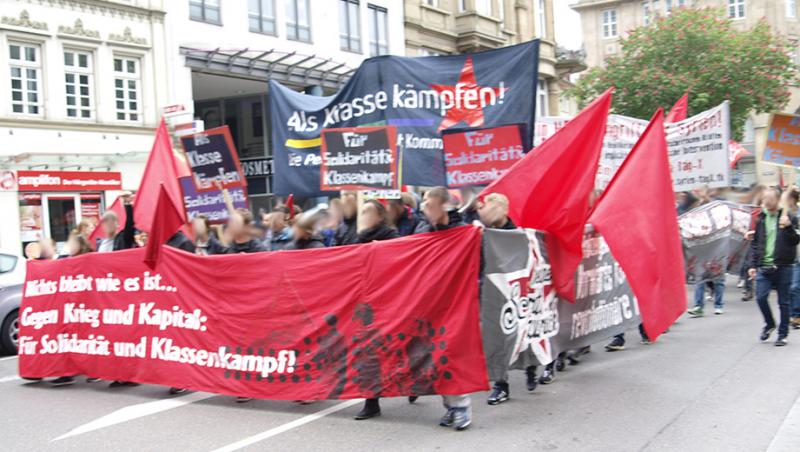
{"x":358,"y":158}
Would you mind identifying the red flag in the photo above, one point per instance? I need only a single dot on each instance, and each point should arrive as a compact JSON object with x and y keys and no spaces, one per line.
{"x":680,"y":110}
{"x":636,"y":215}
{"x":161,"y":169}
{"x":549,"y":188}
{"x":290,"y":205}
{"x":735,"y":152}
{"x":167,"y":220}
{"x":99,"y":233}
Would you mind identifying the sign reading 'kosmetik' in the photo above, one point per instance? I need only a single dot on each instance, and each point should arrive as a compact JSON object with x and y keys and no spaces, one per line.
{"x":478,"y":157}
{"x":359,"y":158}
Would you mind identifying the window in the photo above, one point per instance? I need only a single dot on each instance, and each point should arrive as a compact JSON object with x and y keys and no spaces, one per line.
{"x":791,"y":9}
{"x":127,"y":84}
{"x":7,"y":263}
{"x":646,"y":12}
{"x":483,"y":7}
{"x":434,"y":3}
{"x":261,"y":16}
{"x":349,"y":26}
{"x":736,"y":9}
{"x":78,"y":74}
{"x":610,"y":23}
{"x":423,"y":51}
{"x":378,"y":43}
{"x":26,"y":67}
{"x":541,"y":28}
{"x":542,"y":109}
{"x":204,"y":11}
{"x":298,"y":23}
{"x":462,"y":5}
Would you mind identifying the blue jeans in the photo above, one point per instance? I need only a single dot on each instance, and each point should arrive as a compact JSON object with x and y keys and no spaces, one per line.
{"x":794,"y":291}
{"x":781,"y":281}
{"x":700,"y":293}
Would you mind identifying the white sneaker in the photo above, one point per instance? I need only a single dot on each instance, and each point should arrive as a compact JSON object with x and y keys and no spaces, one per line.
{"x":740,"y":284}
{"x":718,"y":311}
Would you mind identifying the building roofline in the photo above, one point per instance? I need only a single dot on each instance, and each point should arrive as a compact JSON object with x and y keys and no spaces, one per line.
{"x":586,"y":4}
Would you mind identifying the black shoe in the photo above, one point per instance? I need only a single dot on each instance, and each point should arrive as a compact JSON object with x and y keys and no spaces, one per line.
{"x":548,"y":376}
{"x":615,"y":345}
{"x":781,"y":341}
{"x":765,"y":333}
{"x":530,"y":378}
{"x":175,"y":391}
{"x":560,"y":364}
{"x":243,"y":399}
{"x":412,"y":398}
{"x":747,"y":296}
{"x":92,"y":379}
{"x":63,"y":381}
{"x":499,"y":395}
{"x":122,"y":384}
{"x":372,"y":408}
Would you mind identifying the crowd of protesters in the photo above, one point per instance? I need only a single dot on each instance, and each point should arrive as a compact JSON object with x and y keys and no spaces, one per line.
{"x":771,"y":262}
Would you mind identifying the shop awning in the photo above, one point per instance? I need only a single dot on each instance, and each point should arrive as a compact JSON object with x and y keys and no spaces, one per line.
{"x":289,"y":68}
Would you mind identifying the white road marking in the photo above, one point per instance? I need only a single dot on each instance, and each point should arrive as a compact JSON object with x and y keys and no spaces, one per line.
{"x":788,"y":434}
{"x":9,"y":378}
{"x":8,"y":357}
{"x":132,"y":412}
{"x":288,"y":426}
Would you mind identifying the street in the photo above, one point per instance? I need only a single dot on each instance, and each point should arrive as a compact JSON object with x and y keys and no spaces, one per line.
{"x":707,"y":385}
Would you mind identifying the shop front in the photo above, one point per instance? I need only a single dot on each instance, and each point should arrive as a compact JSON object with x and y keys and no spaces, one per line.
{"x":52,"y":203}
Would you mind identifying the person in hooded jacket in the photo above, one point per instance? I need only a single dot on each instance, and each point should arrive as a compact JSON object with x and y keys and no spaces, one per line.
{"x":347,"y":232}
{"x":401,"y":216}
{"x":373,"y":217}
{"x":181,"y":242}
{"x":305,"y":237}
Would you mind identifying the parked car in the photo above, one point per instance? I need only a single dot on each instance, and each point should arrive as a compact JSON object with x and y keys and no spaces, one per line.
{"x":12,"y":278}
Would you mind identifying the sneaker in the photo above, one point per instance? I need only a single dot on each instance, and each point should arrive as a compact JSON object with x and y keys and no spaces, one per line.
{"x":696,"y":311}
{"x":747,"y":296}
{"x":548,"y":376}
{"x":560,"y":364}
{"x":530,"y":378}
{"x":795,"y":322}
{"x":372,"y":408}
{"x":718,"y":311}
{"x":92,"y":380}
{"x":461,"y":418}
{"x":122,"y":384}
{"x":448,"y":419}
{"x":63,"y":381}
{"x":646,"y":341}
{"x":740,"y":284}
{"x":616,"y":344}
{"x":498,"y":395}
{"x":781,"y":341}
{"x":243,"y":399}
{"x":412,"y":398}
{"x":766,"y":332}
{"x":175,"y":391}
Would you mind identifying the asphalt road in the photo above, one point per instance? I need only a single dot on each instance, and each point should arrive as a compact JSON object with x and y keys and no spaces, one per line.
{"x":707,"y":385}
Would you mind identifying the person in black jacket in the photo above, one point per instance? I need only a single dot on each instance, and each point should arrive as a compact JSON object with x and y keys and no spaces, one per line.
{"x":402,"y":217}
{"x":110,"y":223}
{"x":347,"y":232}
{"x":373,"y":217}
{"x":205,"y":242}
{"x":181,"y":242}
{"x":774,"y":249}
{"x":305,"y":237}
{"x":242,"y":240}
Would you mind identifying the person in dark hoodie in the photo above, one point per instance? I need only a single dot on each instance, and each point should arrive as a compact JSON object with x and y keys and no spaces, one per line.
{"x":205,"y":242}
{"x":347,"y":232}
{"x":305,"y":238}
{"x":181,"y":242}
{"x":373,"y":218}
{"x":402,"y":217}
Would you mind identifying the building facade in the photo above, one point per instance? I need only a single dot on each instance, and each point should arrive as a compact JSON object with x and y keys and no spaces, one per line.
{"x":81,"y":89}
{"x":606,"y":22}
{"x":444,"y":27}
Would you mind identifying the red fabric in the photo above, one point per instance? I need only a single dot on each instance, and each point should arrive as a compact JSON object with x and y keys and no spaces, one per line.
{"x":390,"y":318}
{"x":166,"y":222}
{"x":290,"y":205}
{"x":680,"y":110}
{"x":636,"y":215}
{"x":549,"y":188}
{"x":99,"y":233}
{"x":161,"y":168}
{"x":735,"y":152}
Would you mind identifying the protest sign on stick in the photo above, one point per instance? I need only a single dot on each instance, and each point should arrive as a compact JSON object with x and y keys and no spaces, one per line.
{"x":213,"y":160}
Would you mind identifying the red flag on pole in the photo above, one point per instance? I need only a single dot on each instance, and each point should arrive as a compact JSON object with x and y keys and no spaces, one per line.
{"x":736,"y":151}
{"x":167,"y":219}
{"x":680,"y":110}
{"x":161,"y":169}
{"x":290,"y":205}
{"x":99,"y":233}
{"x":549,"y":188}
{"x":636,"y":216}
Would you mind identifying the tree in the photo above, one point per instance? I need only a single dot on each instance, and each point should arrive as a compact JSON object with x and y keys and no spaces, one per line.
{"x":700,"y":51}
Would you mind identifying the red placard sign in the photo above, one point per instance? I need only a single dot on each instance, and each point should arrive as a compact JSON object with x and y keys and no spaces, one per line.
{"x":68,"y":180}
{"x":480,"y":156}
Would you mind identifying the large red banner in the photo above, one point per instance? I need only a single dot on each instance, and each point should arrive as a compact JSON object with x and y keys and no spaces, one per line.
{"x":382,"y":319}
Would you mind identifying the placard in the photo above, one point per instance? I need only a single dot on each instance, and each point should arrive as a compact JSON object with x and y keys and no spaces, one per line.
{"x":481,"y":156}
{"x":212,"y":159}
{"x":359,"y":158}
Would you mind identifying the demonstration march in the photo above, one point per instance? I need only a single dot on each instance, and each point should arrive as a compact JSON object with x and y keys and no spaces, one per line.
{"x":434,"y":232}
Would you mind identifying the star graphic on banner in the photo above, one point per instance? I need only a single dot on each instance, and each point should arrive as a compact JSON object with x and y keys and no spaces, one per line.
{"x":466,"y":91}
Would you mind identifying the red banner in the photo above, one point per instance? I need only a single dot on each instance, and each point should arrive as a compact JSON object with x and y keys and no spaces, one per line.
{"x":479,"y":157}
{"x":68,"y":180}
{"x":390,"y":318}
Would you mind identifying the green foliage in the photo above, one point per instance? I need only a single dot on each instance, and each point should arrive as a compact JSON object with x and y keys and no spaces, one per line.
{"x":700,"y":51}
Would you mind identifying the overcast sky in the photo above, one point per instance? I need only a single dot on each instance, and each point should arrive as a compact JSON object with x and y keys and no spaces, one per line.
{"x":568,"y":24}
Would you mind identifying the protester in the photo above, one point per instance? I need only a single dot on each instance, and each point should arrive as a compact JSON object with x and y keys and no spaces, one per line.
{"x":402,"y":217}
{"x":85,"y":227}
{"x":331,"y":221}
{"x":305,"y":236}
{"x":205,"y":243}
{"x":47,"y":248}
{"x":280,"y":232}
{"x":774,"y":253}
{"x":790,"y":200}
{"x":753,"y":197}
{"x":346,"y":233}
{"x":110,"y":223}
{"x":181,"y":242}
{"x":469,"y":205}
{"x":717,"y":285}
